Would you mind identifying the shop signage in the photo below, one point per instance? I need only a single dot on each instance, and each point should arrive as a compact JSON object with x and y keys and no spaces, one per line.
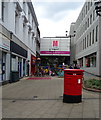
{"x":54,"y":52}
{"x":55,"y":44}
{"x":4,"y":42}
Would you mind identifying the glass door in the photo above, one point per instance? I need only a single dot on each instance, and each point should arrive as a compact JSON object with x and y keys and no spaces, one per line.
{"x":3,"y":66}
{"x":0,"y":66}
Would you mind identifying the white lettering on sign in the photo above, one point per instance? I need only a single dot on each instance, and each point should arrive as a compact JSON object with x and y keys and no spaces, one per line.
{"x":79,"y":81}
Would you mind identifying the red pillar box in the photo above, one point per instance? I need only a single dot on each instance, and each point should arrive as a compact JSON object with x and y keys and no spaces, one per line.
{"x":72,"y":85}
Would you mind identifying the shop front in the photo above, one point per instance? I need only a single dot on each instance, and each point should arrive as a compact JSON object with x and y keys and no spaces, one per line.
{"x":33,"y":64}
{"x":4,"y":59}
{"x":91,"y":60}
{"x":18,"y":59}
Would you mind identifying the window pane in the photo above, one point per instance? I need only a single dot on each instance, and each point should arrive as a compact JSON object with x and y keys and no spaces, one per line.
{"x":96,"y":33}
{"x":2,"y":11}
{"x":87,"y":41}
{"x":93,"y":37}
{"x":90,"y":40}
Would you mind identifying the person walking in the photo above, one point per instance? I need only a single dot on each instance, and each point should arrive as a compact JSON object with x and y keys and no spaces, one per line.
{"x":50,"y":72}
{"x":75,"y":65}
{"x":46,"y":70}
{"x":70,"y":67}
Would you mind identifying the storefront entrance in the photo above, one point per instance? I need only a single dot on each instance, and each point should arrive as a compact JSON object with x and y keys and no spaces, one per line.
{"x":20,"y":67}
{"x":33,"y":63}
{"x":2,"y":66}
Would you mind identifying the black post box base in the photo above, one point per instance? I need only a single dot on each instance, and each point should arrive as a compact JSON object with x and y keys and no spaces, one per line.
{"x":72,"y":98}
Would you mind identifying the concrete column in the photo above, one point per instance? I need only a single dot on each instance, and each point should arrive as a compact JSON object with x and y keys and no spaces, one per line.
{"x":84,"y":64}
{"x":7,"y":66}
{"x":16,"y":63}
{"x":22,"y":68}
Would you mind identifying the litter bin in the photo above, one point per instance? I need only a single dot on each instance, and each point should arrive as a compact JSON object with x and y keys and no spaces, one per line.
{"x":14,"y":76}
{"x":72,"y":85}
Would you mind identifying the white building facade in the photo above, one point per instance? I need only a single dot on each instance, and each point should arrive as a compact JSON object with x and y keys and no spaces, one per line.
{"x":57,"y":47}
{"x":19,"y":35}
{"x":87,"y":40}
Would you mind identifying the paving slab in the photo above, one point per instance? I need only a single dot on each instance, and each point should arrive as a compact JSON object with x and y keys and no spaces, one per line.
{"x":44,"y":99}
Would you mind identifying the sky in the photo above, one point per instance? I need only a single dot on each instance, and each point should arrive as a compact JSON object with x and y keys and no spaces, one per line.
{"x":55,"y":16}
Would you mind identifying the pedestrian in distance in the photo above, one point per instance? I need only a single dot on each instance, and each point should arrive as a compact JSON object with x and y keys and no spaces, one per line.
{"x":50,"y":72}
{"x":75,"y":65}
{"x":70,"y":67}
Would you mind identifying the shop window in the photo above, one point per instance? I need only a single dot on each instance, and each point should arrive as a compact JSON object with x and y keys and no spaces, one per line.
{"x":81,"y":62}
{"x":91,"y":60}
{"x":13,"y":59}
{"x":87,"y":62}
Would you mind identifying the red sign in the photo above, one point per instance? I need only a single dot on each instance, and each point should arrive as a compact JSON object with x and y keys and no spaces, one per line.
{"x":55,"y":43}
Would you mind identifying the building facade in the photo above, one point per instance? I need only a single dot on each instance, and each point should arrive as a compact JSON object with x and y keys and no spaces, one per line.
{"x":55,"y":49}
{"x":87,"y":40}
{"x":18,"y":35}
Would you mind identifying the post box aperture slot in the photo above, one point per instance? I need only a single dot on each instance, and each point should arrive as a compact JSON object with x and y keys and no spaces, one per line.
{"x":75,"y":73}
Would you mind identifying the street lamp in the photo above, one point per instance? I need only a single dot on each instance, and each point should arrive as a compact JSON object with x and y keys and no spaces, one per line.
{"x":66,"y":32}
{"x":70,"y":36}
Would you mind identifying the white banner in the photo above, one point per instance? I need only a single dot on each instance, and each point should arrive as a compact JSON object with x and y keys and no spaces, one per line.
{"x":4,"y":42}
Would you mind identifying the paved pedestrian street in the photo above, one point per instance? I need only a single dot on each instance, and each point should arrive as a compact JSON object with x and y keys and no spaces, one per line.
{"x":44,"y":99}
